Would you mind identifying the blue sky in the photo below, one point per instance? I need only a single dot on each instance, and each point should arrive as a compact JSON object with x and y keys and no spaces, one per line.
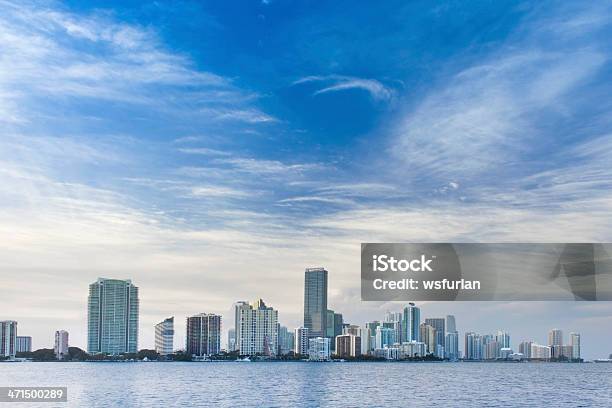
{"x":212,"y":150}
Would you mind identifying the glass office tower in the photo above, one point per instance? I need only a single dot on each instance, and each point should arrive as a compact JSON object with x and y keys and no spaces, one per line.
{"x":315,"y":301}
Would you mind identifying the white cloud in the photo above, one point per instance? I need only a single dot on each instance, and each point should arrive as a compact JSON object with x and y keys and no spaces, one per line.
{"x":337,"y":83}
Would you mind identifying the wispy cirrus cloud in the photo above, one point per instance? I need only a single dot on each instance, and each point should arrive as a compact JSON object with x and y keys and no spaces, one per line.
{"x":52,"y":53}
{"x":336,"y":83}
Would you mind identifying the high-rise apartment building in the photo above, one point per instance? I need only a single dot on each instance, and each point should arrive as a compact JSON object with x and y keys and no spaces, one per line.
{"x":385,"y":337}
{"x":473,"y":346}
{"x":315,"y":301}
{"x":258,"y":329}
{"x":112,"y":317}
{"x":348,"y":345}
{"x":285,"y":340}
{"x":203,"y":335}
{"x":429,"y":335}
{"x":301,"y":340}
{"x":24,"y":344}
{"x":503,"y":338}
{"x":555,"y":337}
{"x":575,"y":344}
{"x":237,"y":306}
{"x":411,"y":323}
{"x":394,"y":319}
{"x":231,"y":339}
{"x":164,"y":336}
{"x":8,"y":338}
{"x":60,"y":347}
{"x":451,"y":346}
{"x":451,"y":326}
{"x":319,"y":349}
{"x":525,"y":348}
{"x":439,"y":325}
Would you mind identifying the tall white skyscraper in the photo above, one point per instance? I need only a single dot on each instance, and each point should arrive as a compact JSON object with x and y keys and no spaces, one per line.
{"x":411,"y":323}
{"x":451,"y":326}
{"x":575,"y":344}
{"x":60,"y":347}
{"x":555,"y":337}
{"x":451,"y":346}
{"x":164,"y":336}
{"x":301,"y":340}
{"x":112,"y":317}
{"x":258,"y":329}
{"x":233,"y":346}
{"x":8,"y":338}
{"x":503,"y":339}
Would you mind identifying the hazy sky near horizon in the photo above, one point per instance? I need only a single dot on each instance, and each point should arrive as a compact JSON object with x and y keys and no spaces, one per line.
{"x":210,"y":151}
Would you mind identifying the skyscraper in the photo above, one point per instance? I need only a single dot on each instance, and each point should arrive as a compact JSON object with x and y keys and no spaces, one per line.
{"x":231,"y":339}
{"x":428,"y":335}
{"x":203,"y":335}
{"x":503,"y":338}
{"x":555,"y":337}
{"x":164,"y":336}
{"x":395,"y":319}
{"x":318,"y":349}
{"x":525,"y":348}
{"x":348,"y":345}
{"x":315,"y":301}
{"x":60,"y":347}
{"x":301,"y":341}
{"x":575,"y":344}
{"x":438,"y":324}
{"x":451,"y":346}
{"x":112,"y":317}
{"x":24,"y":344}
{"x":411,"y":323}
{"x":473,"y":346}
{"x":258,"y":329}
{"x":285,"y":340}
{"x":237,"y":306}
{"x":8,"y":338}
{"x":451,"y":326}
{"x":385,"y":337}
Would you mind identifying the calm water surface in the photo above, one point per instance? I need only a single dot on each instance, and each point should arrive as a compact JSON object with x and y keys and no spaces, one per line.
{"x":230,"y":384}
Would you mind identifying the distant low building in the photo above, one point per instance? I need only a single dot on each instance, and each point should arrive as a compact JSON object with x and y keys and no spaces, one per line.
{"x":516,"y":356}
{"x":505,"y":352}
{"x":24,"y":344}
{"x":60,"y":347}
{"x":388,"y":353}
{"x":540,"y":352}
{"x":319,"y":349}
{"x":410,"y":349}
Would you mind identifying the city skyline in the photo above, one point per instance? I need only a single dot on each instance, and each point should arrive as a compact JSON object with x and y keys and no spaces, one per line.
{"x":260,"y":331}
{"x":211,"y":152}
